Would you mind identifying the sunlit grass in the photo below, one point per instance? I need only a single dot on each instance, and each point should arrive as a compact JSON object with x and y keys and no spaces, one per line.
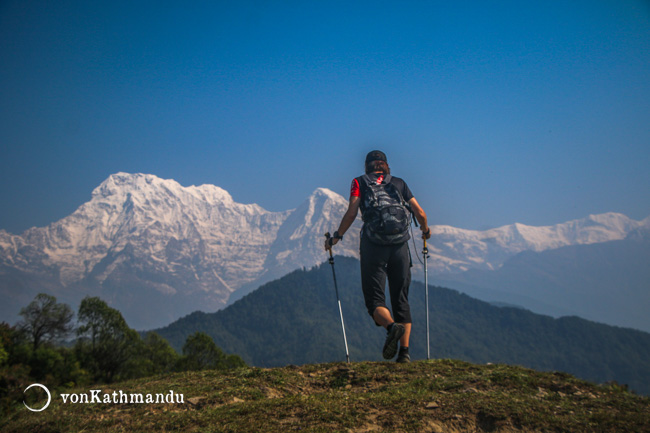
{"x":421,"y":396}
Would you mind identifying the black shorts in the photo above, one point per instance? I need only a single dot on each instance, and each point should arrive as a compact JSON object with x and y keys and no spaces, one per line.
{"x":379,"y":262}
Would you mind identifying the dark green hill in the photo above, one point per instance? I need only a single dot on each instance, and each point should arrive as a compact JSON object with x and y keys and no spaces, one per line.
{"x":294,"y":320}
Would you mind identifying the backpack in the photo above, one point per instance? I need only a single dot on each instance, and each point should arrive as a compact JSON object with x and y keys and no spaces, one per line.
{"x":386,"y":216}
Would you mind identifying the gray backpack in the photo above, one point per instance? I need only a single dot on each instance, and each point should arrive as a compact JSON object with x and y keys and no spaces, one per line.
{"x":386,"y":216}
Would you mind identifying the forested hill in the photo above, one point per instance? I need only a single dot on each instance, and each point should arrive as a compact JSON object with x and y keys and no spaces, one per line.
{"x":295,"y":320}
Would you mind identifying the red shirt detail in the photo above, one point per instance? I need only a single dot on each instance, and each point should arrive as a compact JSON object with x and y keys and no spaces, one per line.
{"x":354,"y":188}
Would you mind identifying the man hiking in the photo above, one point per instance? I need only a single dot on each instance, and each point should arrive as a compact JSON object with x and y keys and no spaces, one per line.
{"x":385,"y":203}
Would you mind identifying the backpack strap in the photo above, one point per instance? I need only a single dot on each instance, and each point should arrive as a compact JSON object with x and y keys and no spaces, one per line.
{"x":387,"y":178}
{"x":364,"y":185}
{"x":366,"y":178}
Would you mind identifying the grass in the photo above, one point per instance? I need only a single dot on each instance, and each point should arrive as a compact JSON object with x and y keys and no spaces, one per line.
{"x":424,"y":396}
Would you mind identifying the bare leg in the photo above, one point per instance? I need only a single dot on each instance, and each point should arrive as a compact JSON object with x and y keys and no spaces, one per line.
{"x":382,"y":316}
{"x":404,"y":341}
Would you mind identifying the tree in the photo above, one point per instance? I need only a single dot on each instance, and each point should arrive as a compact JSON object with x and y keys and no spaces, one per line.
{"x":45,"y":320}
{"x":3,"y":354}
{"x":105,"y":341}
{"x":201,"y":353}
{"x":159,"y":355}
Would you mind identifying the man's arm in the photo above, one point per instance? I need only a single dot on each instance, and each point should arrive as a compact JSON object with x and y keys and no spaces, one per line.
{"x":347,"y":220}
{"x":419,"y":214}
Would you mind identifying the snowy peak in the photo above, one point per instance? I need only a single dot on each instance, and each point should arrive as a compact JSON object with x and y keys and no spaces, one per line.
{"x":144,"y":187}
{"x":459,"y":250}
{"x":149,"y":214}
{"x":326,"y":194}
{"x":320,"y":205}
{"x":593,"y":229}
{"x":646,"y":222}
{"x":598,"y":228}
{"x":301,"y":236}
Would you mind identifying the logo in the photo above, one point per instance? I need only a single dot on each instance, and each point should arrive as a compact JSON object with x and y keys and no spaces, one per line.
{"x":97,"y":396}
{"x":49,"y":397}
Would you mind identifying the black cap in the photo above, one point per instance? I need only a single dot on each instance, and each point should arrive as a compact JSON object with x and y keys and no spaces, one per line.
{"x":376,"y":155}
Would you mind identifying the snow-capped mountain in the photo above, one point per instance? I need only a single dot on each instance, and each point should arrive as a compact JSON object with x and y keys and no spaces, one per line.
{"x":156,"y":250}
{"x":164,"y":225}
{"x":456,"y":250}
{"x":299,"y":240}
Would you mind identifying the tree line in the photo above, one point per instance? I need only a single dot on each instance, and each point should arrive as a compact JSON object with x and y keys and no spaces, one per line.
{"x":46,"y":347}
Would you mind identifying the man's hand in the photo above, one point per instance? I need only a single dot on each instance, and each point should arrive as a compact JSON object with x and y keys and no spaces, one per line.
{"x":346,"y":222}
{"x":426,"y":234}
{"x":330,"y":242}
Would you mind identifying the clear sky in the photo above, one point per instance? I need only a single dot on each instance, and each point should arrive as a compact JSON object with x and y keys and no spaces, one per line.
{"x":535,"y":111}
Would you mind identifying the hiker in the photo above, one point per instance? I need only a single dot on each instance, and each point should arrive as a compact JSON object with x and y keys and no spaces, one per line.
{"x":385,"y":202}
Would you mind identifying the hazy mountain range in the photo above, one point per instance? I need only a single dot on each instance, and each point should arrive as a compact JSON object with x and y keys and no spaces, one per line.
{"x":156,"y":250}
{"x":607,"y":282}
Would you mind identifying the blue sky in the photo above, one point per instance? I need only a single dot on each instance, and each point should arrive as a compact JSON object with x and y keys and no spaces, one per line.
{"x":535,"y":112}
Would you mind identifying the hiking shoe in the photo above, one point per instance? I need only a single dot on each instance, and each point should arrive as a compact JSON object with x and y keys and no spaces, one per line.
{"x":394,"y":334}
{"x":403,"y":356}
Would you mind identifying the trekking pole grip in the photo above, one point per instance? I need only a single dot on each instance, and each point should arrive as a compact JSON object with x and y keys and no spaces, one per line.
{"x":328,"y":236}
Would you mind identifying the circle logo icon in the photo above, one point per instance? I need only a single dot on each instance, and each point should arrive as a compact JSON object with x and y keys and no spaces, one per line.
{"x":49,"y":397}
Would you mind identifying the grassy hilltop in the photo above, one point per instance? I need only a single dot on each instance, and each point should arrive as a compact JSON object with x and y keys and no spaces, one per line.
{"x":424,"y":396}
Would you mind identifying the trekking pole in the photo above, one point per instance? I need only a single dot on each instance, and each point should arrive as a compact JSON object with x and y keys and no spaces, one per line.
{"x":345,"y":340}
{"x":425,"y":254}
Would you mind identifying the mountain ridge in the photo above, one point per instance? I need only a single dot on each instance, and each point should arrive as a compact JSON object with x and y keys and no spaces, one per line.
{"x":606,"y":282}
{"x":143,"y":242}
